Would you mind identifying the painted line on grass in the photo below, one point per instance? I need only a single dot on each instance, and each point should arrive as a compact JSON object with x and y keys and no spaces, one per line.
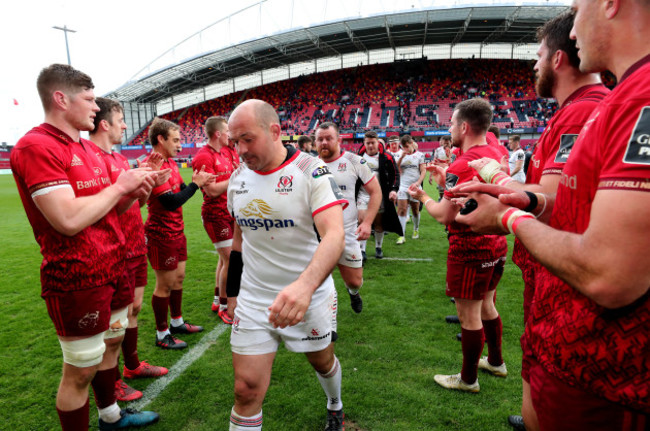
{"x":159,"y":385}
{"x":405,"y":259}
{"x":414,"y":259}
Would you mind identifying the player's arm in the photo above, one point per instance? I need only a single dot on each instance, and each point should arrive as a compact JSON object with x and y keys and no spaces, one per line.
{"x":373,"y":189}
{"x":290,"y":305}
{"x":234,"y":267}
{"x":519,"y":164}
{"x":423,"y":173}
{"x":609,"y":263}
{"x":444,"y":211}
{"x":69,"y":214}
{"x":216,"y":189}
{"x":172,"y":201}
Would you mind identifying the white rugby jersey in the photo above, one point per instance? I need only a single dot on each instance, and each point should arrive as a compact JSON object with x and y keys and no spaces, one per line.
{"x":346,"y":170}
{"x":516,"y":155}
{"x":275,"y":211}
{"x":410,"y":169}
{"x":373,"y":164}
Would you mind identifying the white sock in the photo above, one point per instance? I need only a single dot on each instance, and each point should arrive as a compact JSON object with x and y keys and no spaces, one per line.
{"x":331,"y":384}
{"x":216,"y":299}
{"x":416,"y":222}
{"x":362,"y":243}
{"x":162,"y":334}
{"x":242,"y":423}
{"x":110,"y":414}
{"x":379,"y":239}
{"x":177,"y":322}
{"x":354,"y":291}
{"x":402,"y":221}
{"x":223,"y":307}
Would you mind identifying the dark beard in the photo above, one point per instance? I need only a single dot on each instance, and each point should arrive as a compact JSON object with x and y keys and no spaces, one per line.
{"x":545,"y":83}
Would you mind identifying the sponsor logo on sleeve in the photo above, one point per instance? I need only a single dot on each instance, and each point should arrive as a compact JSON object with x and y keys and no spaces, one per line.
{"x":336,"y":189}
{"x":566,"y":144}
{"x":320,"y":171}
{"x":638,"y":147}
{"x":450,"y":181}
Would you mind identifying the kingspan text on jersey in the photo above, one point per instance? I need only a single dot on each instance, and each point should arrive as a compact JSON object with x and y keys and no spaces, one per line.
{"x":259,"y":223}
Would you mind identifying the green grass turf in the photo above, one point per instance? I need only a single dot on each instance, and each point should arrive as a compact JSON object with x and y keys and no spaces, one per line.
{"x":389,"y":353}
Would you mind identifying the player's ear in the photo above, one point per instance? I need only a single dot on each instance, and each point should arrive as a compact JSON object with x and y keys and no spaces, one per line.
{"x":275,"y":131}
{"x":559,"y":58}
{"x":611,"y":8}
{"x":59,"y":100}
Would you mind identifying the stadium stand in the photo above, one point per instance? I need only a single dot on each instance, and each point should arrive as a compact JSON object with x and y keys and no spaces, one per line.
{"x":411,"y":96}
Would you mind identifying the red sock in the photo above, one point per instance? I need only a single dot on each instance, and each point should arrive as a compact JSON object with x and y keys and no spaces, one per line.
{"x":175,"y":300}
{"x":160,"y":306}
{"x":130,"y":348}
{"x":223,"y":301}
{"x":74,"y":420}
{"x":472,"y":342}
{"x":104,"y":388}
{"x":116,"y":371}
{"x":493,"y":332}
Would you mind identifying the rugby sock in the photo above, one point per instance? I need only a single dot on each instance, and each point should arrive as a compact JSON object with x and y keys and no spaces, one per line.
{"x":130,"y":348}
{"x":223,"y":303}
{"x":331,"y":384}
{"x":379,"y":239}
{"x":175,"y":300}
{"x":402,"y":221}
{"x":160,"y":306}
{"x":416,"y":222}
{"x":354,"y":291}
{"x":75,"y":420}
{"x":363,"y":245}
{"x":162,"y":334}
{"x":472,"y":341}
{"x":493,"y":332}
{"x":104,"y":388}
{"x":242,"y":423}
{"x":110,"y":414}
{"x":178,"y":321}
{"x":216,"y":293}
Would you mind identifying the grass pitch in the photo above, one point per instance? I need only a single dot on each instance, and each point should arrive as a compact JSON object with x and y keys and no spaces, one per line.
{"x":389,"y":353}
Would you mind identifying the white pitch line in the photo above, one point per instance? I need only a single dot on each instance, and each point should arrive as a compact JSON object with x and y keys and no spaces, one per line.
{"x":159,"y":385}
{"x":415,"y":259}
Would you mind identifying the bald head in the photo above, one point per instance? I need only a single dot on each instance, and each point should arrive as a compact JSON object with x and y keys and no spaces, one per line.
{"x":261,"y":111}
{"x":254,"y":128}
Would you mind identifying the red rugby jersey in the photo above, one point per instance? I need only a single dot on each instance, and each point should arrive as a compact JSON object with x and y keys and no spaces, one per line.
{"x":161,"y":223}
{"x":555,"y":143}
{"x":219,"y":163}
{"x":45,"y":159}
{"x":465,"y":245}
{"x":603,"y":351}
{"x":131,"y":219}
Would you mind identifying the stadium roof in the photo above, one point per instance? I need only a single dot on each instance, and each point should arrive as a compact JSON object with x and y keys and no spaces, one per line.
{"x":267,"y":47}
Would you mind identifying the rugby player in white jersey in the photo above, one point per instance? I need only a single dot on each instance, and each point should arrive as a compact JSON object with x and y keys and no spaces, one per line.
{"x":347,"y":168}
{"x":279,"y":282}
{"x":382,"y":164}
{"x":412,"y":171}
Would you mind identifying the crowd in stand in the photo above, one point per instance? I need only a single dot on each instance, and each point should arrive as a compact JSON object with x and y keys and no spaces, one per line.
{"x":411,"y":95}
